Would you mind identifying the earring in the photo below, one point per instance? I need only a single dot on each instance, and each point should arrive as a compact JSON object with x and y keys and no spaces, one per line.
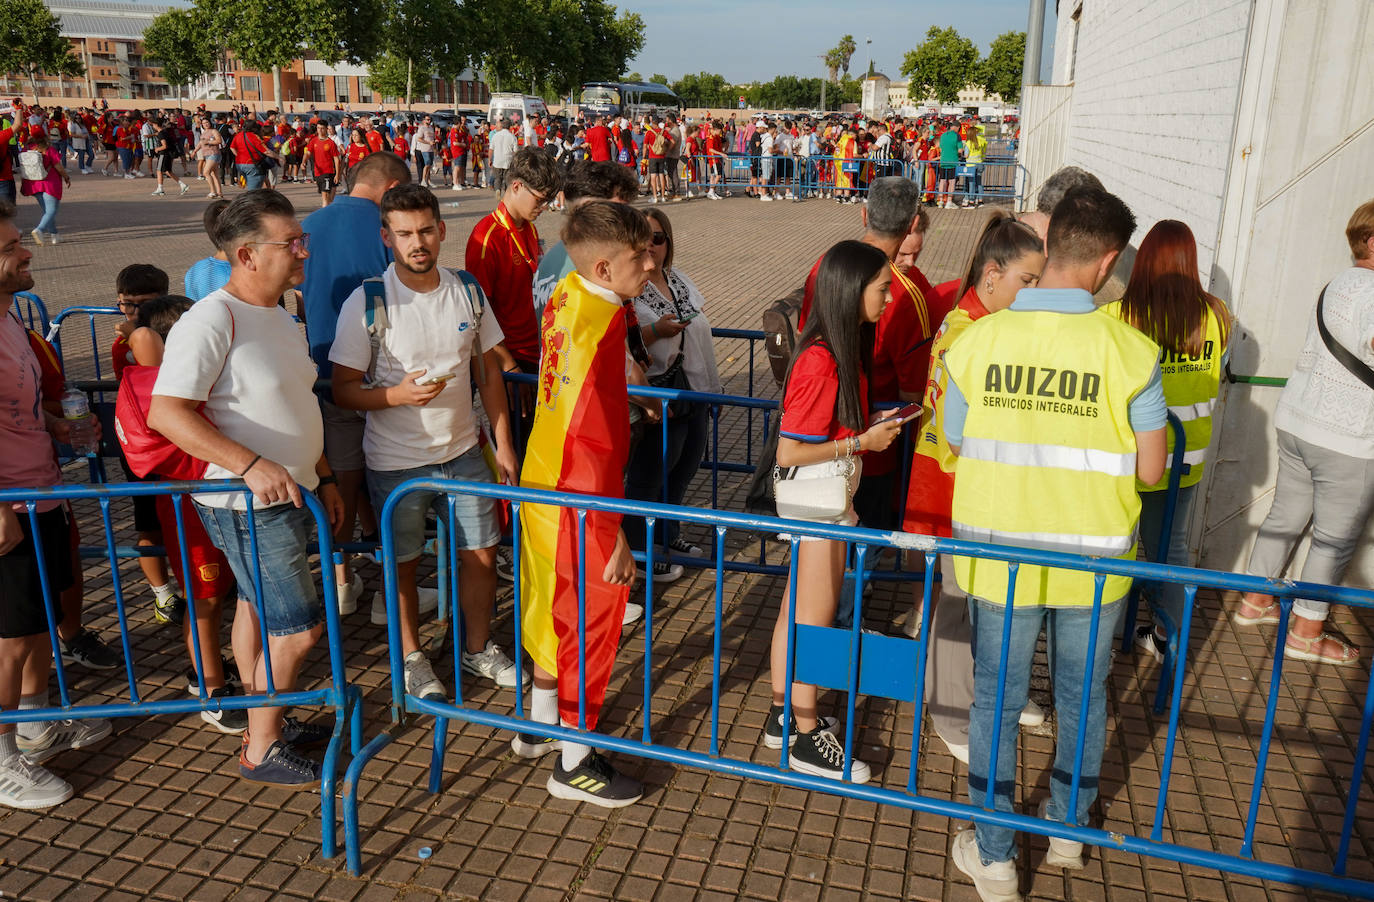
{"x":987,"y":286}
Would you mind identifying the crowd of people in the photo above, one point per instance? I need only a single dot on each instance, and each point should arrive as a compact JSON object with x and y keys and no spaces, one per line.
{"x":675,"y":157}
{"x":1041,"y":424}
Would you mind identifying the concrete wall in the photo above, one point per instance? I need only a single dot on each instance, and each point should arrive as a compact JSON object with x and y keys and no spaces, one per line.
{"x":1154,"y":101}
{"x":1300,"y":166}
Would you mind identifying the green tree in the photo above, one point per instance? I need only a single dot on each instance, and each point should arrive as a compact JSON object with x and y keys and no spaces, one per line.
{"x":1001,"y":71}
{"x":837,"y":58}
{"x":941,"y":65}
{"x":659,"y":79}
{"x":31,"y":42}
{"x":181,"y":42}
{"x":554,"y":46}
{"x":705,"y":89}
{"x":387,"y":76}
{"x":456,"y":43}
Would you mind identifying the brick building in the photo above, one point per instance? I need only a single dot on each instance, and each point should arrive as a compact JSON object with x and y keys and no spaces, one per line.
{"x":108,"y":38}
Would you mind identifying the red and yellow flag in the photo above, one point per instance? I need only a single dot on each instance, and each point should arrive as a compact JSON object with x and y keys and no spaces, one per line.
{"x":580,"y":442}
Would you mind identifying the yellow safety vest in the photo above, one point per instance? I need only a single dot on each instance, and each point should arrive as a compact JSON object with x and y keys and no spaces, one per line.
{"x":1191,"y":385}
{"x":1048,"y":457}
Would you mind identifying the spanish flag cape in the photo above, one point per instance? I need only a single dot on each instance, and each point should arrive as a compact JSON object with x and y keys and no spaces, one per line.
{"x":844,"y":152}
{"x":580,"y":442}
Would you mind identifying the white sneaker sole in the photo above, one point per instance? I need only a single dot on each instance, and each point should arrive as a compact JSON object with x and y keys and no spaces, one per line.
{"x":32,"y":801}
{"x":38,"y":756}
{"x":573,"y":794}
{"x":532,"y":750}
{"x":429,"y":602}
{"x":987,"y":894}
{"x":858,"y":771}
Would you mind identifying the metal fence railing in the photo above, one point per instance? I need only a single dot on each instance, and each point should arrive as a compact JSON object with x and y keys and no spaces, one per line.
{"x":859,"y":664}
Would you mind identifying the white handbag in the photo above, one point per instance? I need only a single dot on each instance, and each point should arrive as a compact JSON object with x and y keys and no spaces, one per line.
{"x":820,"y":491}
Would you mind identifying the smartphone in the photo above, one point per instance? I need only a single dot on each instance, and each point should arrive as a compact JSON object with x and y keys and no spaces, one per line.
{"x":431,"y":380}
{"x":905,"y":414}
{"x":689,"y":317}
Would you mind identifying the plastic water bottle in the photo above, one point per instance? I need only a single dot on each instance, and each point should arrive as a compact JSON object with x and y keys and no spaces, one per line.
{"x":76,"y":410}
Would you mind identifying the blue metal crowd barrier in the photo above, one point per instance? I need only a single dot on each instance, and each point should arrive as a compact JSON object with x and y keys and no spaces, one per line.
{"x":344,"y":700}
{"x":873,"y":665}
{"x":32,"y":312}
{"x":54,"y":333}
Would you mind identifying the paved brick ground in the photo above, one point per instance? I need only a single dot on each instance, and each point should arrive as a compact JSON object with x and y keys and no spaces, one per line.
{"x":159,"y":812}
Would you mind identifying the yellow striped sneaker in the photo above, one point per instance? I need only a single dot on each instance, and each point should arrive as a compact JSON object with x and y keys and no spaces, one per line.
{"x":596,"y":782}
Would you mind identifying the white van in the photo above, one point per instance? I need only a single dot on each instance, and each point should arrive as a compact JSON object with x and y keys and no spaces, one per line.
{"x":514,"y":108}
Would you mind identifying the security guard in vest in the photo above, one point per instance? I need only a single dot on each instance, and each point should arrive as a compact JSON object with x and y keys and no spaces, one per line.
{"x":1054,"y":409}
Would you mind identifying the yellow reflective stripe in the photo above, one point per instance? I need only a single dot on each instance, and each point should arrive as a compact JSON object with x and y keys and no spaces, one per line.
{"x":1069,"y":543}
{"x":1062,"y":457}
{"x":1188,"y":412}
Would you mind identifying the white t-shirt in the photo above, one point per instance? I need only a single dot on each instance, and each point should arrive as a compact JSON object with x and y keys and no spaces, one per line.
{"x":432,"y":332}
{"x":502,"y":143}
{"x":766,"y":148}
{"x":424,"y":138}
{"x":252,"y":368}
{"x":1323,"y":402}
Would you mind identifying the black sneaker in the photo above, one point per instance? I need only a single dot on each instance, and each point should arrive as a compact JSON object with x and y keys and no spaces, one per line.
{"x":87,"y":649}
{"x":772,"y":730}
{"x":302,"y":734}
{"x":684,"y":547}
{"x":172,"y":609}
{"x":231,"y":678}
{"x":527,"y":745}
{"x":280,"y":767}
{"x":594,"y":781}
{"x":820,"y":753}
{"x":226,"y":720}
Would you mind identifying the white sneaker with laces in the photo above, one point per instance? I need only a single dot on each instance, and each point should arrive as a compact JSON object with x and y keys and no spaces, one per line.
{"x":995,"y":881}
{"x":492,"y":663}
{"x":60,"y":735}
{"x":633,"y":613}
{"x":28,"y":786}
{"x":1064,"y":853}
{"x":184,"y":188}
{"x":1032,"y":715}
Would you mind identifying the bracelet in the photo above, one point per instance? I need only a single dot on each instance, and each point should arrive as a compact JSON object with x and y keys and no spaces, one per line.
{"x":837,"y":450}
{"x":653,"y":327}
{"x":329,"y":479}
{"x":858,"y":443}
{"x":250,"y":466}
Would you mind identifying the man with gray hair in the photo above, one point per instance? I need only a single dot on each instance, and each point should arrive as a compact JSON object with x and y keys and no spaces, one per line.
{"x":1052,"y":192}
{"x":901,"y":353}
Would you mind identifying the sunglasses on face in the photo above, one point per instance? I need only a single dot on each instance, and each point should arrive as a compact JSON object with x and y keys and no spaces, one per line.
{"x":659,"y":239}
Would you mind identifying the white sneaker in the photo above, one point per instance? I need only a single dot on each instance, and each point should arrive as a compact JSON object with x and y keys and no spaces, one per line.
{"x":60,"y":735}
{"x":37,"y":236}
{"x":492,"y":663}
{"x":957,"y":752}
{"x":1064,"y":853}
{"x":184,"y":188}
{"x":25,"y":785}
{"x":420,"y":679}
{"x":713,"y":195}
{"x":765,"y":197}
{"x":633,"y":613}
{"x":52,"y":237}
{"x":691,"y":194}
{"x":130,"y":175}
{"x":654,"y":199}
{"x":349,"y":595}
{"x":995,"y":882}
{"x":200,"y":178}
{"x":428,"y":598}
{"x":159,"y":192}
{"x":1032,"y":715}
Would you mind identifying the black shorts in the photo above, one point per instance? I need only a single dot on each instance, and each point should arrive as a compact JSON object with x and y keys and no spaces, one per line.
{"x":756,"y":167}
{"x":145,"y":506}
{"x":326,"y":183}
{"x":947,"y":172}
{"x":658,"y":166}
{"x":21,"y":586}
{"x":293,"y":160}
{"x":164,"y":162}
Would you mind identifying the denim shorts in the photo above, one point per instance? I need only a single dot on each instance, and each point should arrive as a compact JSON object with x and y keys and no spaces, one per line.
{"x":474,"y":516}
{"x":290,"y":603}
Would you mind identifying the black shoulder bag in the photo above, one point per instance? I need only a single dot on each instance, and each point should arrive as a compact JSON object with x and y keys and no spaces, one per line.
{"x":1357,"y":367}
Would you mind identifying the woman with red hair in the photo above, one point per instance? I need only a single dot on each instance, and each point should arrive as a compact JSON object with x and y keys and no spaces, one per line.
{"x":1165,"y":300}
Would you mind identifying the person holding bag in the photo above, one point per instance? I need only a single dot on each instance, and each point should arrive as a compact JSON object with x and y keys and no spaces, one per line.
{"x":823,"y":430}
{"x":678,"y":337}
{"x":1325,"y":424}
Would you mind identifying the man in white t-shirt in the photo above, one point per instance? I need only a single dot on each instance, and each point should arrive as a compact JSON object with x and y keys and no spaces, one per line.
{"x":439,"y":338}
{"x":424,"y":149}
{"x":502,"y":144}
{"x":243,"y":356}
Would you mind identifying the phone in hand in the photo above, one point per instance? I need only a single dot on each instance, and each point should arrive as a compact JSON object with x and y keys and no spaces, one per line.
{"x":689,"y":317}
{"x":431,"y":380}
{"x":905,"y":414}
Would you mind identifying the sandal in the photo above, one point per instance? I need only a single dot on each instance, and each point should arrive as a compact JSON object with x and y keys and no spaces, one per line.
{"x":1268,"y":614}
{"x":1306,"y":650}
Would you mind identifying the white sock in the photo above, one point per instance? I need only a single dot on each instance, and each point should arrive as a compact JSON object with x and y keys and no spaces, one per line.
{"x":9,"y":746}
{"x":544,"y":705}
{"x":574,"y":753}
{"x":32,"y":729}
{"x":162,"y":593}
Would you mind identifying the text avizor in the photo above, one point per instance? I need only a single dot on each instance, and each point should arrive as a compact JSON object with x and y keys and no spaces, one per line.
{"x":1042,"y":382}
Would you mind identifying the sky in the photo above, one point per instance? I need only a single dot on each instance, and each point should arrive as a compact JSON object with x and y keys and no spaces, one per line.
{"x":754,"y":40}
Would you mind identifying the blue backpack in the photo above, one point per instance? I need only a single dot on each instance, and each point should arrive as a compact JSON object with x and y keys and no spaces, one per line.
{"x":377,"y":322}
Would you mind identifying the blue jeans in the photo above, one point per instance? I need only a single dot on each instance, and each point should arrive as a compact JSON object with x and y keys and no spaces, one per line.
{"x":474,"y":516}
{"x":49,"y":204}
{"x":290,"y":603}
{"x":126,"y":159}
{"x":645,"y":474}
{"x":252,"y":176}
{"x":1067,"y":630}
{"x":1167,"y":598}
{"x":85,"y":157}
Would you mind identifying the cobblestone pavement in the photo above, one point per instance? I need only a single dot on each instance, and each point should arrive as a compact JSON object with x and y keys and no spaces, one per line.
{"x":160,"y":813}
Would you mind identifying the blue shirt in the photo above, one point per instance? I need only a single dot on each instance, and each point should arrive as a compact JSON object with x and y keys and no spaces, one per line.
{"x":1147,"y":411}
{"x":345,"y":248}
{"x":205,"y":276}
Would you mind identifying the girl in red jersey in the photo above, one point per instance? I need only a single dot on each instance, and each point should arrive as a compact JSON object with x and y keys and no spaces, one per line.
{"x":824,"y":428}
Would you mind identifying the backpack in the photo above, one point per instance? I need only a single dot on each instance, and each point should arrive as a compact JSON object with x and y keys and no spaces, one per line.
{"x":660,"y":145}
{"x":377,"y":322}
{"x":32,"y":167}
{"x":147,"y":450}
{"x":780,"y":328}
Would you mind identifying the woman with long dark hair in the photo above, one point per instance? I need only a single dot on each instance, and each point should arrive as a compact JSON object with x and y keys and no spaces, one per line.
{"x":1165,"y":300}
{"x":824,"y":428}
